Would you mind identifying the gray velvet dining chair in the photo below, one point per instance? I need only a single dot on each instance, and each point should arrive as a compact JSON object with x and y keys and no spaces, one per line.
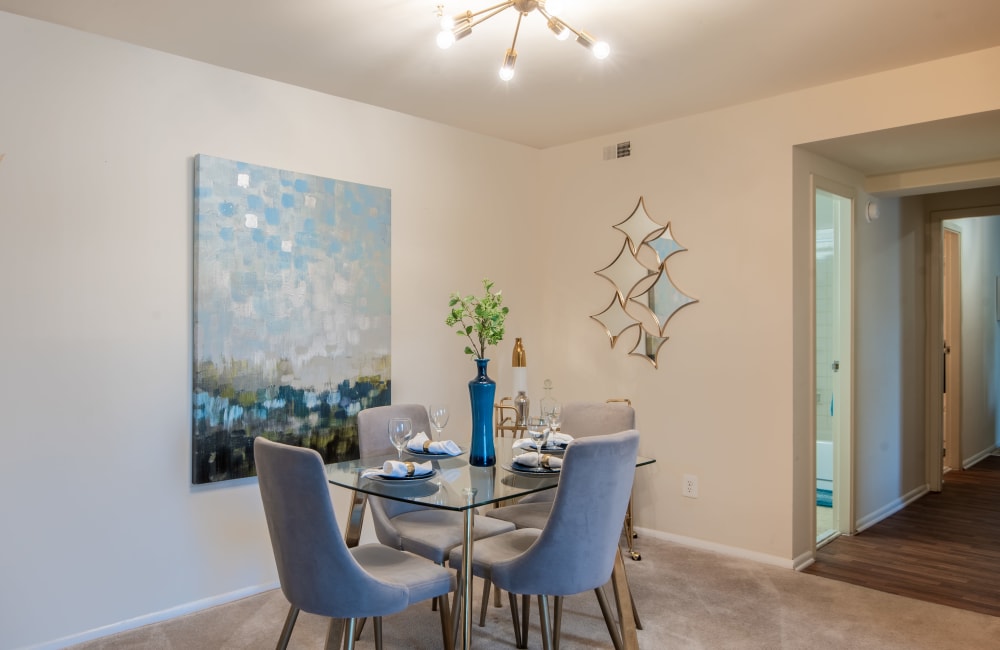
{"x":580,"y":420}
{"x":577,"y":548}
{"x":318,"y":573}
{"x":428,"y":532}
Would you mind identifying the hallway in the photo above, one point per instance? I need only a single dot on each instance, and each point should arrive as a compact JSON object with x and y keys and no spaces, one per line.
{"x":944,"y":548}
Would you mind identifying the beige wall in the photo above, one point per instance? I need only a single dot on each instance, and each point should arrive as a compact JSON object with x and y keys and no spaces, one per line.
{"x":95,"y":261}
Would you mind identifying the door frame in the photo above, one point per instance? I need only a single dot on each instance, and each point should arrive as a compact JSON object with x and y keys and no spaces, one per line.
{"x":843,"y":436}
{"x":934,"y":326}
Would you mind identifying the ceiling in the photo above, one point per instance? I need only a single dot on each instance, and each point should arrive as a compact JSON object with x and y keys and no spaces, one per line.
{"x":669,"y":58}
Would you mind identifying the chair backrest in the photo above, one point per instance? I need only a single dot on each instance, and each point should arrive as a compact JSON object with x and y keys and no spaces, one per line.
{"x":576,"y":550}
{"x":373,"y":426}
{"x":373,"y":440}
{"x":582,"y":419}
{"x":317,"y":572}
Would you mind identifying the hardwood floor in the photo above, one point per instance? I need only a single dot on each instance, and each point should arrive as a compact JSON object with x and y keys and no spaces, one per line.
{"x":944,"y":548}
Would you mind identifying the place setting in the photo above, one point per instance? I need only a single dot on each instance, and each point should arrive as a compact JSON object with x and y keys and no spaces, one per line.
{"x":420,"y":444}
{"x":541,"y":452}
{"x":399,"y":470}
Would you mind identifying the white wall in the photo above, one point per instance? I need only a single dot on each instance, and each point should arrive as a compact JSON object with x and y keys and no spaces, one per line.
{"x":101,"y":523}
{"x":730,"y":402}
{"x":95,"y":194}
{"x":980,"y":325}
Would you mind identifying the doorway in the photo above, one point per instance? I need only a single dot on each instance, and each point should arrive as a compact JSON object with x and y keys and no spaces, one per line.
{"x":951,"y":395}
{"x":833,"y":213}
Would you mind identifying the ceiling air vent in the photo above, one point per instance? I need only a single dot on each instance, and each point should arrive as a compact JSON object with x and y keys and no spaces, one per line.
{"x":620,"y":150}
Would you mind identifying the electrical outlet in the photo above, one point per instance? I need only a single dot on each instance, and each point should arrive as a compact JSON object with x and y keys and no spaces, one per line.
{"x":689,"y":488}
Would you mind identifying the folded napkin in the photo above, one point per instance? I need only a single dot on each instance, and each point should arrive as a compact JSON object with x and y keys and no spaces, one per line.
{"x":399,"y":469}
{"x":421,"y":443}
{"x":556,"y":439}
{"x":530,"y":459}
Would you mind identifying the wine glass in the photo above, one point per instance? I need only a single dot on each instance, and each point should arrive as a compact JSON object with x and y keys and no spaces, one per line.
{"x":400,"y":430}
{"x":439,"y":418}
{"x":553,"y":416}
{"x":538,"y":430}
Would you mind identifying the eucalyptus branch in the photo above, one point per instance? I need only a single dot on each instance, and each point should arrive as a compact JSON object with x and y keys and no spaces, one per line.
{"x":479,"y":318}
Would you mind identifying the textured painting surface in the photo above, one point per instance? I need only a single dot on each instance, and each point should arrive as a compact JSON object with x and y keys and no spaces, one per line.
{"x":291,"y":312}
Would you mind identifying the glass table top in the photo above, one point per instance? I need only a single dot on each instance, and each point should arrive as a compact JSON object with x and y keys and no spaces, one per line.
{"x":450,"y":486}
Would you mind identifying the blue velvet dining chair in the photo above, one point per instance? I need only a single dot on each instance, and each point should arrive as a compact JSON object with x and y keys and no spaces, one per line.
{"x":318,"y":573}
{"x":577,"y":548}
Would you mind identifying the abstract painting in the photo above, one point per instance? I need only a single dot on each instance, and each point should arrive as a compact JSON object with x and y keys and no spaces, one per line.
{"x":291,"y":312}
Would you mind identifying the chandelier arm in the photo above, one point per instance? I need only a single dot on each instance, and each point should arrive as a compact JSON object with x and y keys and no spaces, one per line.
{"x":517,"y":28}
{"x":493,"y":11}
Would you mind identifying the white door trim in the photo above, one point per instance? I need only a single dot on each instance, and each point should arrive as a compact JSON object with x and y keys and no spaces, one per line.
{"x":844,"y":511}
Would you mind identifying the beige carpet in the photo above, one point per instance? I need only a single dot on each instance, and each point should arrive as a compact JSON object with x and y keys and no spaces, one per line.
{"x":687,"y":599}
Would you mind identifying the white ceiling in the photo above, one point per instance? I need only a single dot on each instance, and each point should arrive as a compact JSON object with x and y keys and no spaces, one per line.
{"x":669,"y":57}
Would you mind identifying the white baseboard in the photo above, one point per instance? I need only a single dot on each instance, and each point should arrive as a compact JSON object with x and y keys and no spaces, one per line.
{"x":969,"y":462}
{"x":731,"y":551}
{"x":892,"y":508}
{"x":155,"y":617}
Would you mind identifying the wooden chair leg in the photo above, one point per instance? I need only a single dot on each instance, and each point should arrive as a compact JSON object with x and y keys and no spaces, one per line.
{"x":609,"y":619}
{"x":485,"y":602}
{"x":496,"y":596}
{"x":557,"y":622}
{"x":336,"y":632}
{"x":449,"y":641}
{"x":516,"y":620}
{"x":286,"y":630}
{"x":377,"y":624}
{"x":525,"y":617}
{"x":456,"y":609}
{"x":360,"y":628}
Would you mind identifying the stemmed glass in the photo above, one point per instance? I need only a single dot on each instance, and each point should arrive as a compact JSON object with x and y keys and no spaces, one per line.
{"x":553,"y":416}
{"x":439,"y":418}
{"x":538,"y":430}
{"x":400,"y":430}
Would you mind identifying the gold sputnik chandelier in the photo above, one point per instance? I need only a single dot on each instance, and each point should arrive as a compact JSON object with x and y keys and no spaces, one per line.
{"x":457,"y":27}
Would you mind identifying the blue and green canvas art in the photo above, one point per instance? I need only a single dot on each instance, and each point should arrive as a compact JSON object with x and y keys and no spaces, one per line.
{"x":291,"y":312}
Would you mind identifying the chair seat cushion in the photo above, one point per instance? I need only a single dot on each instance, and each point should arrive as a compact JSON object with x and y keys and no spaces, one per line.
{"x":523,"y":515}
{"x":487,"y":552}
{"x":433,"y":533}
{"x":422,"y":578}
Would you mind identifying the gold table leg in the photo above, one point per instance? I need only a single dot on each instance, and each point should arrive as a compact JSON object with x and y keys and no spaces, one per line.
{"x":626,"y":618}
{"x":355,"y":518}
{"x":466,"y":585}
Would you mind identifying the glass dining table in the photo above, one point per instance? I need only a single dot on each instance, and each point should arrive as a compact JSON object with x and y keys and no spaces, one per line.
{"x":458,"y":486}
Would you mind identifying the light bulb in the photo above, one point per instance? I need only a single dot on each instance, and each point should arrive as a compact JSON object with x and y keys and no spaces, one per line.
{"x":447,"y":23}
{"x":601,"y":50}
{"x":445,"y":39}
{"x":558,"y":28}
{"x":507,"y":69}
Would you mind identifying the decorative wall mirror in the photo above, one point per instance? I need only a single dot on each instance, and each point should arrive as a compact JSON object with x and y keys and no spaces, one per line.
{"x":645,"y":297}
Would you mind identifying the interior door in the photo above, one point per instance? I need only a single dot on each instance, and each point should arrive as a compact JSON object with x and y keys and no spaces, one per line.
{"x":833,"y":212}
{"x":951,"y":398}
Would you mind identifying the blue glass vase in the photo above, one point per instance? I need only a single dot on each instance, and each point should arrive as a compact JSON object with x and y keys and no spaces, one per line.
{"x":482,"y":391}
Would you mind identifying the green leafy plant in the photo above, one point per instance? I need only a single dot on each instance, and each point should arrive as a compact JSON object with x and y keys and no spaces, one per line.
{"x":479,"y":319}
